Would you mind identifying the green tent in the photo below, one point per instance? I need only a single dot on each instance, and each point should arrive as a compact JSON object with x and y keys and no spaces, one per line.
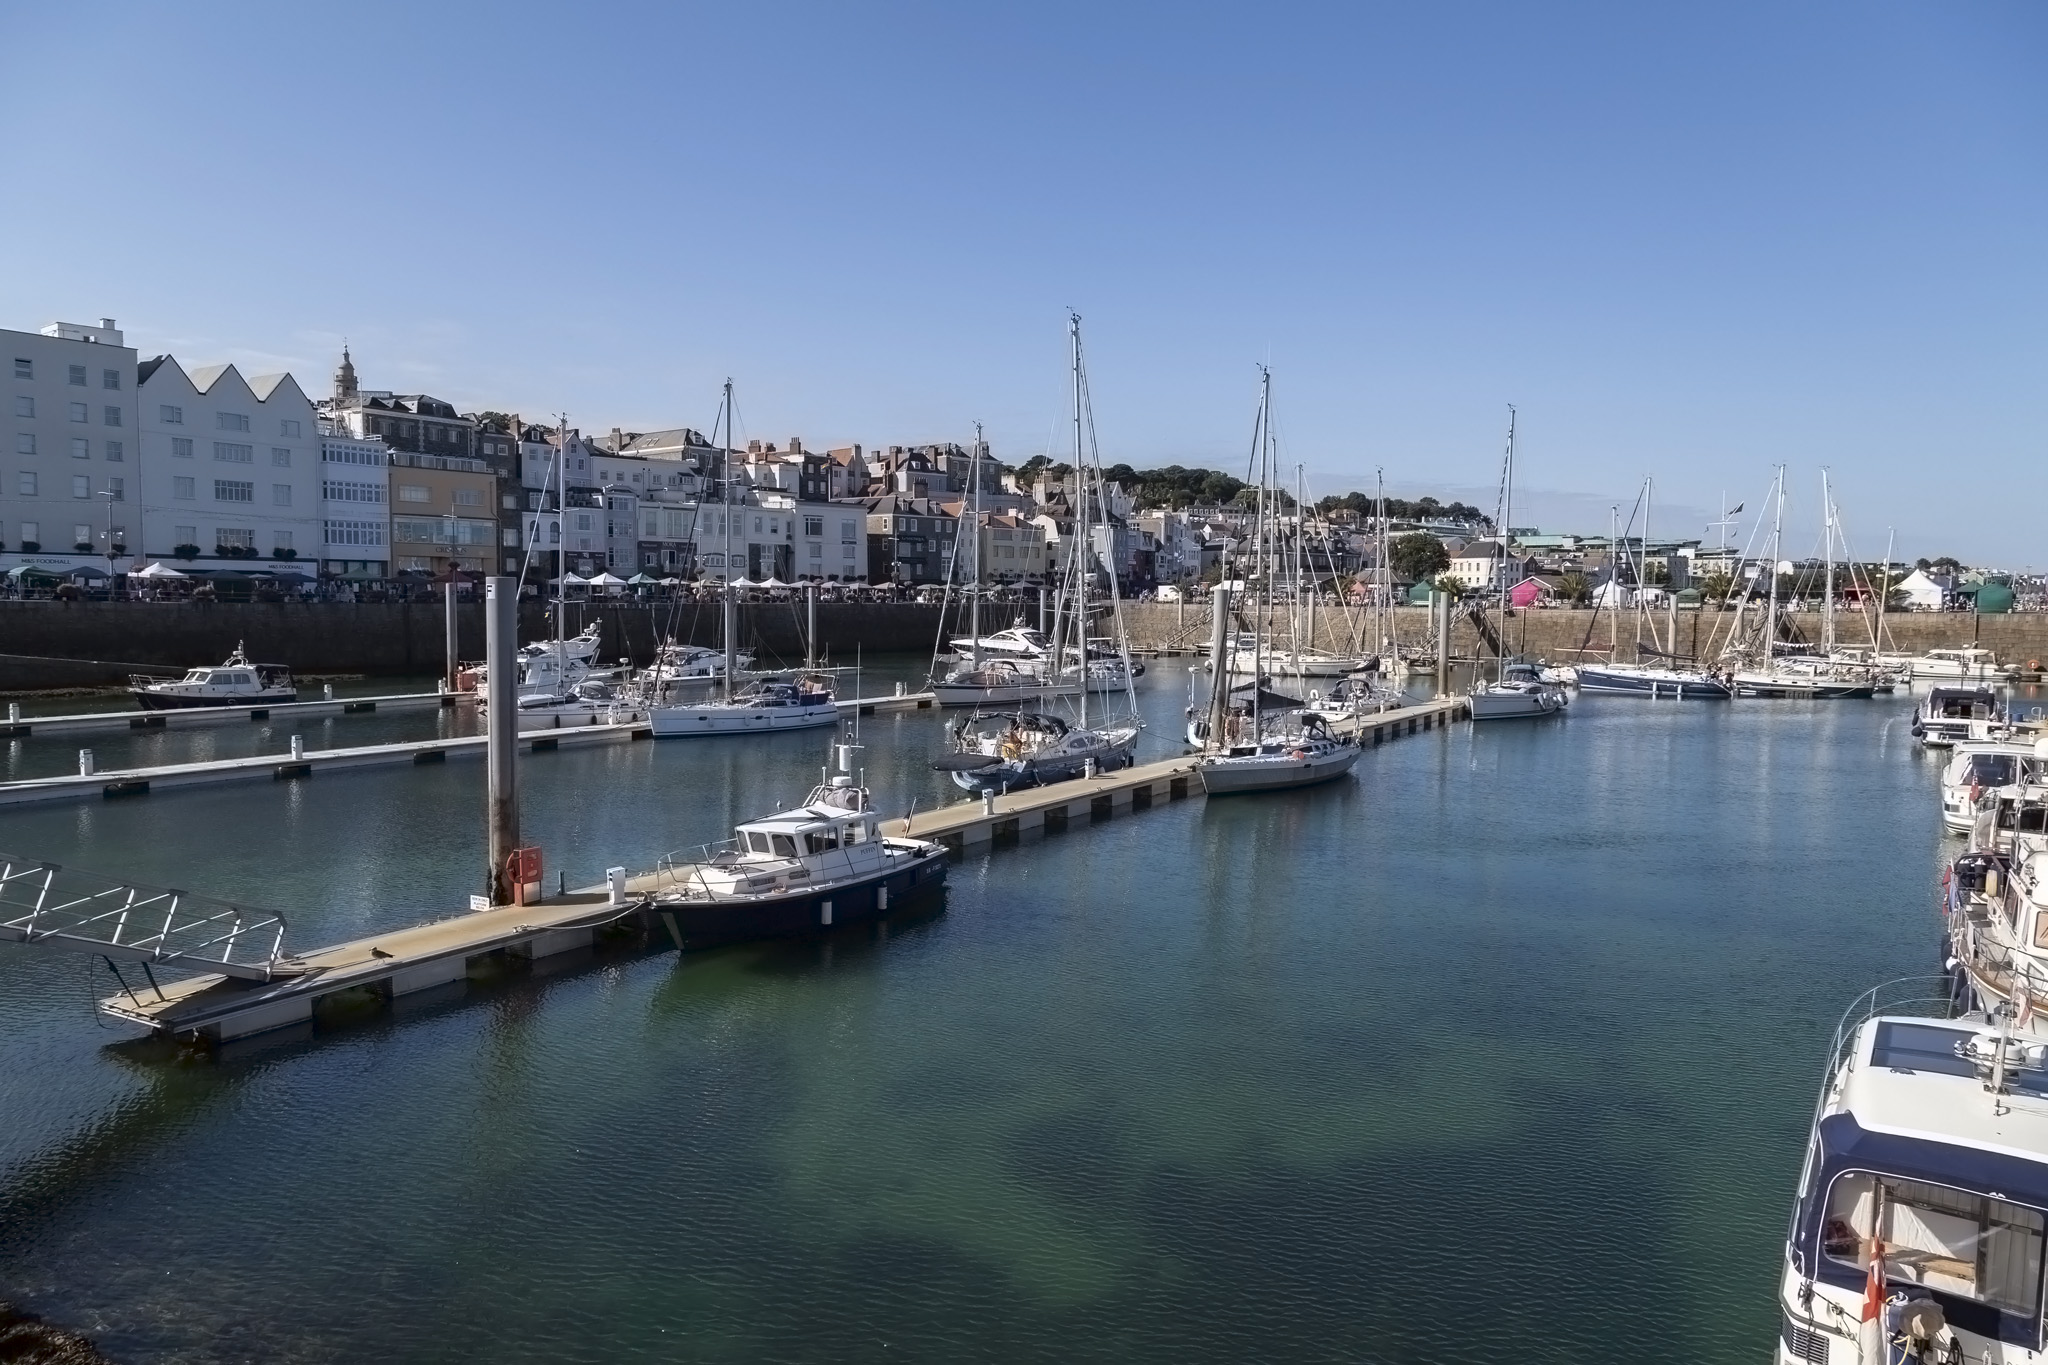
{"x":1419,"y":594}
{"x":1994,"y":599}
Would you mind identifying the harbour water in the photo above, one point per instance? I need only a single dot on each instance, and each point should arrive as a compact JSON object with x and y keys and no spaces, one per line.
{"x":1503,"y":1049}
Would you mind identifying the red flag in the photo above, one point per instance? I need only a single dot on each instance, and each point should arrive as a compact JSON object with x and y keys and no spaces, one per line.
{"x":1873,"y":1288}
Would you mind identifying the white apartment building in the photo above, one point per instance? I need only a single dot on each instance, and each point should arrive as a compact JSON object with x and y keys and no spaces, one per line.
{"x":230,"y":468}
{"x":68,"y":442}
{"x":355,"y":504}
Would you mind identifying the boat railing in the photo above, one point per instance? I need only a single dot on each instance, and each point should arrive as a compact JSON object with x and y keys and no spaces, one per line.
{"x":682,"y":872}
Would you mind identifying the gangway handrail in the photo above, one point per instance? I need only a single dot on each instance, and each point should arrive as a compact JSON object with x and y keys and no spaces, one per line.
{"x":44,"y":903}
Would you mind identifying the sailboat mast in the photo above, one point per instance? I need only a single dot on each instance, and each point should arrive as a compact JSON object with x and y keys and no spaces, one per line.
{"x":1081,"y":545}
{"x":1265,"y":564}
{"x":1827,"y":609}
{"x":1884,"y":593}
{"x":731,"y":603}
{"x":1777,"y":532}
{"x":974,"y":598}
{"x":1501,"y":573}
{"x":562,"y":547}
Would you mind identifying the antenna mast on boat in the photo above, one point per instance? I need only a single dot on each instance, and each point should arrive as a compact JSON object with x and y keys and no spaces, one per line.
{"x":1082,"y":549}
{"x":1827,"y":608}
{"x":974,"y":599}
{"x":1777,"y":533}
{"x":562,"y":552}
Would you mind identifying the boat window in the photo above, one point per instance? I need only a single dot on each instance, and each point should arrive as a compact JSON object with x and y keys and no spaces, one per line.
{"x":1993,"y":770}
{"x":2027,"y":819}
{"x":856,"y":833}
{"x":197,"y":675}
{"x":1938,"y":1238}
{"x":784,"y":845}
{"x":757,"y":842}
{"x":822,"y":843}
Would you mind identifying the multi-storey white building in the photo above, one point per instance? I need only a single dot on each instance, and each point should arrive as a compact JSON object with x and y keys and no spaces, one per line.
{"x":355,"y":504}
{"x":68,"y":443}
{"x":230,"y":468}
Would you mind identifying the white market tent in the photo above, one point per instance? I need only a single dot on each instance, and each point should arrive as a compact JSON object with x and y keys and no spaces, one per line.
{"x":158,"y":570}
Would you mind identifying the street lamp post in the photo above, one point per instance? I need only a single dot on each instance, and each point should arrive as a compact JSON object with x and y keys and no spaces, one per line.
{"x":108,"y":494}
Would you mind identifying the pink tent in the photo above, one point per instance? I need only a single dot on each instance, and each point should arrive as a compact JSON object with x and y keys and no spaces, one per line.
{"x":1528,"y":591}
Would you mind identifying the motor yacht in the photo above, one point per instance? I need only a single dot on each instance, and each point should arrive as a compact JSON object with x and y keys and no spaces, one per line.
{"x":1980,"y":766}
{"x":1031,"y":749}
{"x":1971,"y":665}
{"x":1293,"y":749}
{"x":802,"y":702}
{"x":822,"y":865}
{"x":1948,"y":715}
{"x":1001,"y":682}
{"x":594,"y":701}
{"x":237,"y":682}
{"x":680,"y":663}
{"x":1521,"y":694}
{"x":1917,"y":1230}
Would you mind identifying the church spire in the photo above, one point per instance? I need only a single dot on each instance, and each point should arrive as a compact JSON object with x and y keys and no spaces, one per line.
{"x":345,"y":380}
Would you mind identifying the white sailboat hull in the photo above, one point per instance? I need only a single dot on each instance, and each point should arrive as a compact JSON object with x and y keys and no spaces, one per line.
{"x":720,"y":718}
{"x":1516,"y":703}
{"x":1276,"y":772}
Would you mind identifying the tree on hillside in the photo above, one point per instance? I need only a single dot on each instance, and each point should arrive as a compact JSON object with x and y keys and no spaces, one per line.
{"x":1417,"y":556}
{"x":1948,"y":564}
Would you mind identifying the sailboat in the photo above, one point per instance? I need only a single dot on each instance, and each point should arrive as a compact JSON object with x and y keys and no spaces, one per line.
{"x":1517,"y":691}
{"x":1019,"y":662}
{"x":1655,"y":681}
{"x":1032,"y":746}
{"x":1265,"y":750}
{"x":802,"y":701}
{"x":1770,"y":674}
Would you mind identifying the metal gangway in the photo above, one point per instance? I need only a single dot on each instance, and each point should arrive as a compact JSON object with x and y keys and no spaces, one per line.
{"x":46,"y":905}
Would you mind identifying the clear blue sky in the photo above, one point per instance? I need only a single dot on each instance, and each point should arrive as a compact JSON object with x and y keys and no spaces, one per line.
{"x":1685,"y":243}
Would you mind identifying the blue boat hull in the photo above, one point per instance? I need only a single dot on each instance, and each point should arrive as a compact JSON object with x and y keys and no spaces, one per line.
{"x":1634,"y":685}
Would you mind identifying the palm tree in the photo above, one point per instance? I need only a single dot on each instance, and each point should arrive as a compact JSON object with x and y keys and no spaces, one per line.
{"x":1575,"y":588}
{"x":1715,"y":587}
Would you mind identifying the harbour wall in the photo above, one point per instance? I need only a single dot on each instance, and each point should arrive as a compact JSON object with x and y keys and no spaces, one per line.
{"x":1561,"y":634}
{"x":50,"y":644}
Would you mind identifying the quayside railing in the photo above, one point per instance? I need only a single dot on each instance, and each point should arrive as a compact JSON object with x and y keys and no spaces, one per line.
{"x":47,"y":905}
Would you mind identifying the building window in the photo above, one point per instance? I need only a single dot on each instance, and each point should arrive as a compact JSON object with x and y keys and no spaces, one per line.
{"x":235,"y":537}
{"x":288,"y":426}
{"x":81,"y":449}
{"x":115,"y":452}
{"x":342,"y":490}
{"x":110,"y":379}
{"x":185,"y":535}
{"x":280,"y":495}
{"x":846,"y":552}
{"x":817,"y":550}
{"x":25,"y":443}
{"x":469,"y":497}
{"x":24,"y":406}
{"x":412,"y":492}
{"x":112,"y":416}
{"x":234,"y":452}
{"x":182,"y":488}
{"x":81,"y":486}
{"x":231,"y":421}
{"x":233,"y":490}
{"x":355,"y":533}
{"x":814,"y":526}
{"x":31,"y":530}
{"x":281,"y":457}
{"x":511,"y":538}
{"x":117,"y":489}
{"x":78,"y":376}
{"x":181,"y":447}
{"x":170,"y":416}
{"x":281,"y":540}
{"x":81,"y":533}
{"x":77,"y":412}
{"x":24,"y":369}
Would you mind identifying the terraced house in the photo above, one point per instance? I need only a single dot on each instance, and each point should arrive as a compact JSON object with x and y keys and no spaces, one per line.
{"x":67,"y":437}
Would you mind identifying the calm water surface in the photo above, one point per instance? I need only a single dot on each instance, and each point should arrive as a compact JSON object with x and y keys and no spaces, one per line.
{"x":1503,"y":1049}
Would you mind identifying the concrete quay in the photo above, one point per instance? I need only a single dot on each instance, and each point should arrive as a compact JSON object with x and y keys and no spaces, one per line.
{"x":195,"y":716}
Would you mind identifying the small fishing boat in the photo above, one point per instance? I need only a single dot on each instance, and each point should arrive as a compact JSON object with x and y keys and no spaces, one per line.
{"x":802,"y":702}
{"x":823,"y":865}
{"x":1521,"y":694}
{"x":237,"y":682}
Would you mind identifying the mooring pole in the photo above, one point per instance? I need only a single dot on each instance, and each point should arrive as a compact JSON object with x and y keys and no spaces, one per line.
{"x":1441,"y":601}
{"x":448,"y":683}
{"x":1219,"y":662}
{"x":811,"y":626}
{"x":501,"y":646}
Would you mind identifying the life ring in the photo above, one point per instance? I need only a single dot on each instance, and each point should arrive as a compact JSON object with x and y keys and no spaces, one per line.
{"x":2033,"y":665}
{"x":1297,"y":753}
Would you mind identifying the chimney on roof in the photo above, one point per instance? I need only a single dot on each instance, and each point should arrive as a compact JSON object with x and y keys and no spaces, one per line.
{"x":796,"y":447}
{"x":753,"y":447}
{"x":618,"y":439}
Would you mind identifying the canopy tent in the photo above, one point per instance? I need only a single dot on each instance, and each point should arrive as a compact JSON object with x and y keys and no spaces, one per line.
{"x":607,"y":580}
{"x":670,"y":582}
{"x":158,"y":570}
{"x":32,"y":571}
{"x":744,"y":583}
{"x":290,"y":576}
{"x":573,"y":580}
{"x":639,"y":580}
{"x":771,"y":581}
{"x":87,"y":571}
